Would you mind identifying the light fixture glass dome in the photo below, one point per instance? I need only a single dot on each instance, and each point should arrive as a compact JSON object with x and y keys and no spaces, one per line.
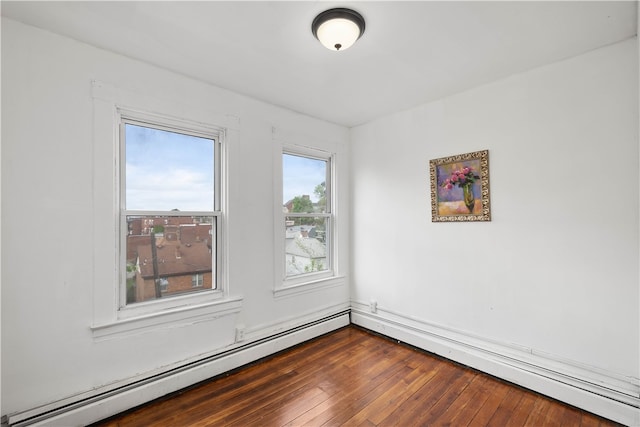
{"x":338,"y":29}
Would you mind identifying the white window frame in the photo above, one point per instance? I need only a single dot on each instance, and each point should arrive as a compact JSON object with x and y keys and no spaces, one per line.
{"x":285,"y":284}
{"x":197,"y":280}
{"x":109,"y":318}
{"x":155,"y":121}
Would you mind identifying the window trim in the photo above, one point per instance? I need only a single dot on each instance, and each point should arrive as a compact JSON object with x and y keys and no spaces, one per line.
{"x":285,"y":285}
{"x":107,"y":319}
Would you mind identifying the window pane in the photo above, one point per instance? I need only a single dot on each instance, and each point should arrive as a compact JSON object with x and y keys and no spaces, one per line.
{"x":164,"y":253}
{"x":304,"y":184}
{"x":168,"y":170}
{"x":306,"y":245}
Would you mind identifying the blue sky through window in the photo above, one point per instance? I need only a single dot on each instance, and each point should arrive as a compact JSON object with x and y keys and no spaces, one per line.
{"x":168,"y":170}
{"x":301,"y":175}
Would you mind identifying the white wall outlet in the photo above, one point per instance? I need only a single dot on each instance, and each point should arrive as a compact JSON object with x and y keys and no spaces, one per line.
{"x":373,"y":306}
{"x":239,"y":333}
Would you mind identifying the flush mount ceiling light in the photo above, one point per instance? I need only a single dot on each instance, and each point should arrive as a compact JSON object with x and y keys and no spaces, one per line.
{"x":338,"y":29}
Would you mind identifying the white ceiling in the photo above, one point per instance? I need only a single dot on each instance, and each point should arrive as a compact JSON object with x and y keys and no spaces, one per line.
{"x":411,"y":52}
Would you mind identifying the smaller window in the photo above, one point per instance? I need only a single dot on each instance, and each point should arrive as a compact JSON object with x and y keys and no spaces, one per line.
{"x":307,"y":214}
{"x":197,"y":281}
{"x":164,"y":284}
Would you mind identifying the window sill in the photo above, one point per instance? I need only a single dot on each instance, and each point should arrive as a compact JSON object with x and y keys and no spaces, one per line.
{"x":310,"y":286}
{"x":167,"y":303}
{"x":173,"y":317}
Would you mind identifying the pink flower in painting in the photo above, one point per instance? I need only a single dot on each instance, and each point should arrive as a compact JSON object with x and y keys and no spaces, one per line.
{"x":460,"y":178}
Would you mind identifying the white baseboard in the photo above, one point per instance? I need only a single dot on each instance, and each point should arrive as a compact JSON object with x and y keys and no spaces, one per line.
{"x":104,"y":405}
{"x":603,"y":393}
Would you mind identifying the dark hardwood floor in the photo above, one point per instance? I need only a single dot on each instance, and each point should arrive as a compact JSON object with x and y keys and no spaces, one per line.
{"x":351,"y":377}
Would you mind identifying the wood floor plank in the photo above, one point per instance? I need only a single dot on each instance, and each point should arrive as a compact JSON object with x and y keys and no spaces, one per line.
{"x":357,"y":394}
{"x":304,"y":419}
{"x":589,"y":420}
{"x":522,"y":410}
{"x":393,"y":395}
{"x":424,"y":397}
{"x":571,"y":417}
{"x":381,"y":397}
{"x":360,"y":358}
{"x":506,"y":408}
{"x":262,"y":402}
{"x":351,"y":377}
{"x":538,"y":414}
{"x":555,"y":415}
{"x":498,"y":392}
{"x":467,"y":404}
{"x":307,"y":375}
{"x":257,"y":395}
{"x":449,"y":396}
{"x":281,"y":411}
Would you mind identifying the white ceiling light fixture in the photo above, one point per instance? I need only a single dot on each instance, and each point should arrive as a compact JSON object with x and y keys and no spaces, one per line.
{"x":338,"y":29}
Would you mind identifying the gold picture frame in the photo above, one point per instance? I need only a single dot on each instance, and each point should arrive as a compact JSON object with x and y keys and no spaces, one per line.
{"x":460,"y":188}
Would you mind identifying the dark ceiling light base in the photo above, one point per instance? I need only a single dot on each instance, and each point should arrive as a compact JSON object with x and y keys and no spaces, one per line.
{"x":339,"y":28}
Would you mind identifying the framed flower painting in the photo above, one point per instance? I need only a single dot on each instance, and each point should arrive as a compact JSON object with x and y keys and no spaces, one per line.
{"x":460,"y":188}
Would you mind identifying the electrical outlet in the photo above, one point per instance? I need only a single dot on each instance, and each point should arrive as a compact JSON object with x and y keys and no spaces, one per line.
{"x":373,"y":306}
{"x":239,"y":333}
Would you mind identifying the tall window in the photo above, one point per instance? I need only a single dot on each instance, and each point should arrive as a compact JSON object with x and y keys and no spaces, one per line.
{"x":170,"y":210}
{"x":307,"y":214}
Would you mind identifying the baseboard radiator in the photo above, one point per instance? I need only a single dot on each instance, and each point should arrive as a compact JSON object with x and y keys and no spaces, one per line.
{"x":105,"y":404}
{"x":604,"y":393}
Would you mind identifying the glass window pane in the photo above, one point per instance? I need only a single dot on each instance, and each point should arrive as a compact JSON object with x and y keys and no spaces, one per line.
{"x":164,"y":253}
{"x":168,"y":170}
{"x":304,"y":184}
{"x":306,"y":245}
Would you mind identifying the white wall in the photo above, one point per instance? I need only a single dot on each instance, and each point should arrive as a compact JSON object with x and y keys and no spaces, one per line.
{"x":554,"y":275}
{"x":48,"y":235}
